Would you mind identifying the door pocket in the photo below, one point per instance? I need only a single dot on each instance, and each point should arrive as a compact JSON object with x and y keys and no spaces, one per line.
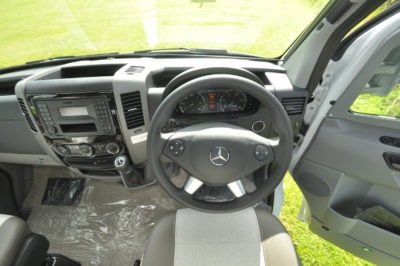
{"x":392,"y":160}
{"x":380,"y":217}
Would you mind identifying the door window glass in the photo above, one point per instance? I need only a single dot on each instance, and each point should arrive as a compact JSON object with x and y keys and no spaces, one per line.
{"x":381,"y":94}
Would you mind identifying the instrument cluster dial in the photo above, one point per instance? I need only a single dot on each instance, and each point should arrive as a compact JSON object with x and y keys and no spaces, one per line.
{"x":233,"y":101}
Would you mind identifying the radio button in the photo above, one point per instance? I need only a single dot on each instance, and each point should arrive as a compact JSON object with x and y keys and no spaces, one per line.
{"x":52,"y":130}
{"x":107,"y":128}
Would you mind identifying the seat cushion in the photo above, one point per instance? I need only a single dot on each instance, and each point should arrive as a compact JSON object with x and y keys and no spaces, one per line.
{"x":248,"y":237}
{"x":13,"y":232}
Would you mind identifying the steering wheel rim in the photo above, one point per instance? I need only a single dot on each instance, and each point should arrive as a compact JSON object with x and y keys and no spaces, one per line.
{"x":197,"y":72}
{"x":280,"y":120}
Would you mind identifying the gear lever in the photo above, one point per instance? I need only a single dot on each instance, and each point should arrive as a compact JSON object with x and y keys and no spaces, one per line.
{"x":130,"y":177}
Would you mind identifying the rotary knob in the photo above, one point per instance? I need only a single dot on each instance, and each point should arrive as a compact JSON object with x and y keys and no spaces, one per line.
{"x":112,"y":148}
{"x":63,"y":150}
{"x":86,"y":150}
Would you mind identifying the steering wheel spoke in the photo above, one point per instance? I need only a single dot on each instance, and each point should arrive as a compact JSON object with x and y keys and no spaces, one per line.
{"x":237,"y":188}
{"x":164,"y":137}
{"x":192,"y":185}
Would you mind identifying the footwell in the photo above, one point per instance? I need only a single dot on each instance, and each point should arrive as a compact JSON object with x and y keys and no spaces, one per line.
{"x":110,"y":226}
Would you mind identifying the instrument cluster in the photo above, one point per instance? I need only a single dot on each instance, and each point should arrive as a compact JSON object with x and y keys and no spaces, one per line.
{"x":216,"y":101}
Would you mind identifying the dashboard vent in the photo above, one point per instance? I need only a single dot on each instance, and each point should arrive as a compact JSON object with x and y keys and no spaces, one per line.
{"x":133,"y":112}
{"x":294,"y":106}
{"x":25,"y":113}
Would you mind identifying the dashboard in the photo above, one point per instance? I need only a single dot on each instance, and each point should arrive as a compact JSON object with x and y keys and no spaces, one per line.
{"x":84,"y":114}
{"x":217,"y":101}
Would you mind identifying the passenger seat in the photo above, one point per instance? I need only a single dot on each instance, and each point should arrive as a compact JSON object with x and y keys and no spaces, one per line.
{"x":18,"y":245}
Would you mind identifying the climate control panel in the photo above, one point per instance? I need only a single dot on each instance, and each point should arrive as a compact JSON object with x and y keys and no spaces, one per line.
{"x":86,"y":149}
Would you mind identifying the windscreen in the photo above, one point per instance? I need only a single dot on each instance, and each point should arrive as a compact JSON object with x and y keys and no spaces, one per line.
{"x":40,"y":29}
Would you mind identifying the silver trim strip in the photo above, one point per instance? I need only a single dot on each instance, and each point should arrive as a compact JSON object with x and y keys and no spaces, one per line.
{"x":192,"y":185}
{"x":237,"y":188}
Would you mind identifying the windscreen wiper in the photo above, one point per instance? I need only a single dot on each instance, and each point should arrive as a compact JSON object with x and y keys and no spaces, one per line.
{"x":184,"y":49}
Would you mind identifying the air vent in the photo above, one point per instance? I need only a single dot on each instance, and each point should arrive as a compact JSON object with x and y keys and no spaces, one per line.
{"x":133,"y":112}
{"x":25,"y":113}
{"x":294,"y":106}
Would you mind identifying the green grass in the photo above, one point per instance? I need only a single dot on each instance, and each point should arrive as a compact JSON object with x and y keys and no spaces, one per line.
{"x":377,"y":105}
{"x":34,"y":30}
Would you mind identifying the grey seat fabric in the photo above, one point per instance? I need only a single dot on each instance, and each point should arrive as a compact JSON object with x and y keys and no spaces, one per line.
{"x":249,"y":237}
{"x":13,"y":233}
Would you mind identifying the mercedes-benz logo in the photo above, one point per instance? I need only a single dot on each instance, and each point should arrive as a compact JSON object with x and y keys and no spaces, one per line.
{"x":219,"y":156}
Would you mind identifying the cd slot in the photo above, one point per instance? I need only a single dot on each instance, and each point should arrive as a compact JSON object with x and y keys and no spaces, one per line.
{"x":78,"y":128}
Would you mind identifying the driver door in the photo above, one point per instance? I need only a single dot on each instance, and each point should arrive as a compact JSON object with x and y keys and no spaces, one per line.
{"x":348,"y":162}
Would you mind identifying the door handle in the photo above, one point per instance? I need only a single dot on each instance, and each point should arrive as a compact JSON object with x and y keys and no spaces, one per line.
{"x":392,"y":141}
{"x":392,"y":160}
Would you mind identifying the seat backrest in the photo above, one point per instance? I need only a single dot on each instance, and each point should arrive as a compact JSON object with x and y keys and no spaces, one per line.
{"x":18,"y":245}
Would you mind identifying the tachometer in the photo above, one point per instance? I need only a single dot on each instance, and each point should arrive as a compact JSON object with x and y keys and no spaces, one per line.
{"x":193,"y":103}
{"x":233,"y":101}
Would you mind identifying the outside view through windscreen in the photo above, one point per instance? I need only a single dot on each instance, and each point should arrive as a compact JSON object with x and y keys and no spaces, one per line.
{"x":34,"y":30}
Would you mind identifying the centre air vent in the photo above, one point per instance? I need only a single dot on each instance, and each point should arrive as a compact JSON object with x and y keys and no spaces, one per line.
{"x":294,"y":106}
{"x":133,"y":112}
{"x":25,"y":113}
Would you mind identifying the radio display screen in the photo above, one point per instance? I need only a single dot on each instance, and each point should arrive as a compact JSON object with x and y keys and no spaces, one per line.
{"x":73,"y":111}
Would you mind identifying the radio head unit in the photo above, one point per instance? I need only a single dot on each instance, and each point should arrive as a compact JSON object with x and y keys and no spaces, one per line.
{"x":75,"y":117}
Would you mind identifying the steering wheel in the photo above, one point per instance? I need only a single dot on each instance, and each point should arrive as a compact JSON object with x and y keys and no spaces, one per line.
{"x":220,"y":154}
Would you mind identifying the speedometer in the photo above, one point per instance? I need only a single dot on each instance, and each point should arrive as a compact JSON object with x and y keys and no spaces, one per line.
{"x":193,"y":103}
{"x":233,"y":101}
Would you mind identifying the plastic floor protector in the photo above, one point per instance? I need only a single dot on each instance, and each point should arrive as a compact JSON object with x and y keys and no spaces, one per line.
{"x":109,"y":226}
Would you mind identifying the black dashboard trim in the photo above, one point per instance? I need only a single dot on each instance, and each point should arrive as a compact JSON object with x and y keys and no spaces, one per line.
{"x":69,"y":86}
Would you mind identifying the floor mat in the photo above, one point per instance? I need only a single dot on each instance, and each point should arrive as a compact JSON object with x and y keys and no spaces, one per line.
{"x":109,"y":226}
{"x":64,"y":191}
